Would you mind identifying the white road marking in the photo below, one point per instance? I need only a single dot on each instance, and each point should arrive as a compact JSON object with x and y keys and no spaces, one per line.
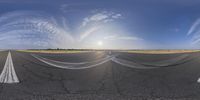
{"x":68,"y":65}
{"x":198,"y":81}
{"x":8,"y":74}
{"x":130,"y":64}
{"x":83,"y":65}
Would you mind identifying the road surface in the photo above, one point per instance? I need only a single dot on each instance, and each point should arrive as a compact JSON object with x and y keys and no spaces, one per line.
{"x":161,"y":77}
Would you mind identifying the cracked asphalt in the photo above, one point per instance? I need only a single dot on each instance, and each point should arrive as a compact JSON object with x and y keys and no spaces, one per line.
{"x":109,"y":81}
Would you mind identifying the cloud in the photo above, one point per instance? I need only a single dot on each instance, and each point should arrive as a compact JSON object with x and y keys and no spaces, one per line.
{"x":194,"y":27}
{"x":116,"y":16}
{"x":34,"y":28}
{"x":89,"y":32}
{"x":103,"y":17}
{"x":120,"y":37}
{"x":194,"y":33}
{"x":91,"y":24}
{"x":196,"y":41}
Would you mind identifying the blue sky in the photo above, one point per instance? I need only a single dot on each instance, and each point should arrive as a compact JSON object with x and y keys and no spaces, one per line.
{"x":100,"y":24}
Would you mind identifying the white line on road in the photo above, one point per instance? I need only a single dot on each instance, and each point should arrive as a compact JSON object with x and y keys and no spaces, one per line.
{"x":130,"y":64}
{"x":8,"y":74}
{"x":68,"y":65}
{"x":83,"y":65}
{"x":198,"y":81}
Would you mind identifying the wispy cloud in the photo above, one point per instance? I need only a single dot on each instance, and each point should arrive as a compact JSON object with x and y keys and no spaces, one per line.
{"x":91,"y":24}
{"x":89,"y":32}
{"x":103,"y":17}
{"x":194,"y":33}
{"x":195,"y":41}
{"x":120,"y":37}
{"x":194,"y":27}
{"x":36,"y":29}
{"x":24,"y":27}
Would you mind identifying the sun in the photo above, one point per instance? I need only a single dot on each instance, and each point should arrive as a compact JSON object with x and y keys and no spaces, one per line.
{"x":100,"y":43}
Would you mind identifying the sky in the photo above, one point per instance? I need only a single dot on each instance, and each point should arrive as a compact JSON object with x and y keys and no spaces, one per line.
{"x":100,"y":24}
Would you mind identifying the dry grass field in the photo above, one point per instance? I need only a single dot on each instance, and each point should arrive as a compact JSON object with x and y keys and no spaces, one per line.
{"x":160,"y":51}
{"x":54,"y":51}
{"x":129,"y":51}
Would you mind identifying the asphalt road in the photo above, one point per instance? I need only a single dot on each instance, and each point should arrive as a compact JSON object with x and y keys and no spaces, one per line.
{"x":107,"y":81}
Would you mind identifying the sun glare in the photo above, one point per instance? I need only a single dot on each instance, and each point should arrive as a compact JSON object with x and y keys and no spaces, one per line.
{"x":100,"y":43}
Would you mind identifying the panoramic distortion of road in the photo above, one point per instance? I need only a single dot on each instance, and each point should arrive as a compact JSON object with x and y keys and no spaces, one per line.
{"x":98,"y":75}
{"x":99,"y":49}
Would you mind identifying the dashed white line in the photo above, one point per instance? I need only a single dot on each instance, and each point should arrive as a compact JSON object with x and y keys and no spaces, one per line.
{"x":8,"y":74}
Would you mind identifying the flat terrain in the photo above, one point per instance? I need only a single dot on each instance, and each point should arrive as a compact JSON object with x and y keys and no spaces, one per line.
{"x":161,"y":76}
{"x":160,"y":51}
{"x":54,"y":51}
{"x":129,"y":51}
